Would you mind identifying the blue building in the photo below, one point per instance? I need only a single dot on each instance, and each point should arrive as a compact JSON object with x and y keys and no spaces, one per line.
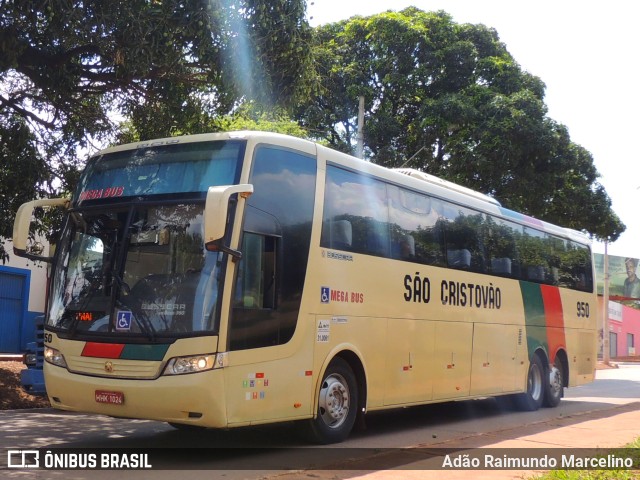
{"x":23,"y":285}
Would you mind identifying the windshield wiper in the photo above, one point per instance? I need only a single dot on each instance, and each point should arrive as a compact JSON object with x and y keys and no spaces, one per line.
{"x":122,"y":285}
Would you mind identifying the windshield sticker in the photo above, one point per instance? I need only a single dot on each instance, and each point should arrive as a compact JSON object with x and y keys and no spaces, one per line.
{"x":166,"y":308}
{"x":123,"y":322}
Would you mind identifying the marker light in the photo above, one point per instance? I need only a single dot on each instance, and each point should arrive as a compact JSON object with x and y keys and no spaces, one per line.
{"x":54,"y":357}
{"x":191,"y":364}
{"x":30,"y":359}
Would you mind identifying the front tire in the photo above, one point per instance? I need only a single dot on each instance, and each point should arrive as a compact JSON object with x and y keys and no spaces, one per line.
{"x":532,"y":399}
{"x":337,"y":404}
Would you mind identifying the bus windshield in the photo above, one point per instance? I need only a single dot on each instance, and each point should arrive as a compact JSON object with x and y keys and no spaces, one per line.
{"x":146,"y":264}
{"x":139,"y":267}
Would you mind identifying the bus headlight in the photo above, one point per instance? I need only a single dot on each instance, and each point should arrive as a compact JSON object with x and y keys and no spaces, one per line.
{"x":191,"y":364}
{"x":54,"y":357}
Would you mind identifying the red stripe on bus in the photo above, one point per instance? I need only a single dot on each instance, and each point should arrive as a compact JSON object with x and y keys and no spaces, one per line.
{"x":102,"y":350}
{"x":555,"y":319}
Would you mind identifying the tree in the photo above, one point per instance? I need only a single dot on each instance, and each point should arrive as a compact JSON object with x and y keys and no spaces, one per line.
{"x":265,"y":63}
{"x":17,"y":154}
{"x":450,"y":100}
{"x":248,"y":116}
{"x":67,"y":67}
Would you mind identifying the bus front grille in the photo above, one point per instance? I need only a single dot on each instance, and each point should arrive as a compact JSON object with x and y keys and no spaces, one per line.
{"x":114,"y":368}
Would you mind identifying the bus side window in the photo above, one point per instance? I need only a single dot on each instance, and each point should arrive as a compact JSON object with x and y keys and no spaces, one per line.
{"x":255,"y":285}
{"x":463,"y":239}
{"x":356,"y":216}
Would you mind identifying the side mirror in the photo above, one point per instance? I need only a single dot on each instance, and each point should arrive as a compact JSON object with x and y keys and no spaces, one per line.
{"x":23,"y":221}
{"x":216,"y":211}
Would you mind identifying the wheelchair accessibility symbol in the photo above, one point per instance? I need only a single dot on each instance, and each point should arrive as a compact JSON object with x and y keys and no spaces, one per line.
{"x":325,"y":294}
{"x":123,"y":322}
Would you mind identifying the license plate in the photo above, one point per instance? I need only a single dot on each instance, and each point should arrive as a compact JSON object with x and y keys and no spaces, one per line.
{"x":113,"y":398}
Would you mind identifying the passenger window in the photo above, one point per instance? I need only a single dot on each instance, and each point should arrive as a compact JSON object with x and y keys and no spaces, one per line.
{"x":534,"y":252}
{"x":500,"y":238}
{"x":356,"y":215}
{"x":415,"y":232}
{"x":463,"y":238}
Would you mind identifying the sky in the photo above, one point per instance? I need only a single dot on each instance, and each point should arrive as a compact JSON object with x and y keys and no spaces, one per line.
{"x":588,"y":55}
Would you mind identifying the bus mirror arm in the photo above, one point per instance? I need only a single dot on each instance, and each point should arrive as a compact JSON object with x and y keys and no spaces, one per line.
{"x":218,"y":246}
{"x":216,"y":213}
{"x":22,"y":223}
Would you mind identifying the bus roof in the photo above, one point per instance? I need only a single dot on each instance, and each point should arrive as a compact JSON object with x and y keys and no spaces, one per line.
{"x":412,"y":178}
{"x":412,"y":172}
{"x":255,"y":136}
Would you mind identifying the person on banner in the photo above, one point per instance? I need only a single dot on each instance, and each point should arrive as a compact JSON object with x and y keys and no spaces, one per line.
{"x":632,"y":282}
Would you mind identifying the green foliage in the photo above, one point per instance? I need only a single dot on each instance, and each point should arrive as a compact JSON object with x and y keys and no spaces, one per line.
{"x":78,"y":61}
{"x":450,"y":100}
{"x":247,"y":117}
{"x":443,"y":97}
{"x":17,"y":154}
{"x":67,"y":67}
{"x":252,"y":118}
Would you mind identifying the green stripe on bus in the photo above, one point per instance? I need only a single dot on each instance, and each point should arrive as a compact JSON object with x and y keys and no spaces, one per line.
{"x":534,"y":317}
{"x":144,"y":352}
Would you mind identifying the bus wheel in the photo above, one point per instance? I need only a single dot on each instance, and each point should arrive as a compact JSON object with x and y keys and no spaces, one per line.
{"x":337,"y":404}
{"x":554,"y":389}
{"x":532,"y":399}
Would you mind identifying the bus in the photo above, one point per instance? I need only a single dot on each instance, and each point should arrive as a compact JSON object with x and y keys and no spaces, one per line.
{"x":234,"y":279}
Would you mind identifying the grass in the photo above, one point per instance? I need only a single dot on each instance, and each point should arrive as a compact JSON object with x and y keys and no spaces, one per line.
{"x":632,"y":450}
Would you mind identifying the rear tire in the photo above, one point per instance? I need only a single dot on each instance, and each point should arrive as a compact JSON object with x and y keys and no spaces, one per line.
{"x":532,"y":399}
{"x":337,"y":405}
{"x":554,"y":388}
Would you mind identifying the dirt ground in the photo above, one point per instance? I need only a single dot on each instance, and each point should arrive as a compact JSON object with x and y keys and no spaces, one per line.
{"x":11,"y":394}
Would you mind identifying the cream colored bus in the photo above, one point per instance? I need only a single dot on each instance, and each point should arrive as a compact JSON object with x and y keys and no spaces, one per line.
{"x":235,"y":279}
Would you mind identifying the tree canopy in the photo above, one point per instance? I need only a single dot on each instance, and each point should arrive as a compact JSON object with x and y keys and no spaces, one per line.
{"x":68,"y":67}
{"x":443,"y":97}
{"x":450,"y":100}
